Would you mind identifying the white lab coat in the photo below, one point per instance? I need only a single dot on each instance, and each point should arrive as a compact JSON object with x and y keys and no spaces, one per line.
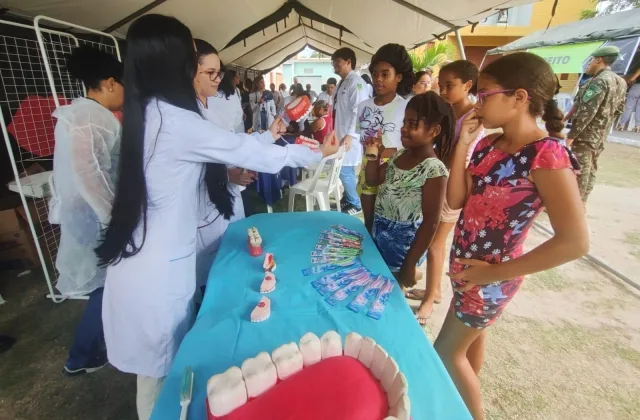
{"x":346,"y":99}
{"x":85,"y":164}
{"x":226,"y":113}
{"x":256,"y":107}
{"x":148,"y":298}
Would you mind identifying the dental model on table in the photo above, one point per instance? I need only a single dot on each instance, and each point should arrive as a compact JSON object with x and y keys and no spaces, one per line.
{"x":361,"y":381}
{"x":255,"y":242}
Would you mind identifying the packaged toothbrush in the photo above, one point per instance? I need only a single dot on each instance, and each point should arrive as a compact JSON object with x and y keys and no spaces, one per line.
{"x":333,"y":277}
{"x":352,"y":271}
{"x":363,"y":298}
{"x":349,"y":289}
{"x":378,"y":305}
{"x":331,"y":259}
{"x":347,"y":231}
{"x":334,"y":285}
{"x":316,"y":269}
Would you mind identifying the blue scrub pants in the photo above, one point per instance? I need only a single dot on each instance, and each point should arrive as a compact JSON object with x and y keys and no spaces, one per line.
{"x":89,"y":348}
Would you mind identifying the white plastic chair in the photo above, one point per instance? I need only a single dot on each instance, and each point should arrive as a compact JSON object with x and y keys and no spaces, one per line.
{"x":317,"y":188}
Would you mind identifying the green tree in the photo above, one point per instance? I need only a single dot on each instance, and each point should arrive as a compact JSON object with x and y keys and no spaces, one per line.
{"x":432,"y":56}
{"x":316,"y":54}
{"x":607,"y":7}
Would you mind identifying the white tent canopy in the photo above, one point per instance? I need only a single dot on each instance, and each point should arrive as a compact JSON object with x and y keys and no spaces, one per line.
{"x":261,"y":34}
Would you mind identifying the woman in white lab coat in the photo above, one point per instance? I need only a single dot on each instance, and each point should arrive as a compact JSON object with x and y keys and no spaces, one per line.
{"x":85,"y":164}
{"x":150,"y":242}
{"x":220,"y":104}
{"x":262,"y":105}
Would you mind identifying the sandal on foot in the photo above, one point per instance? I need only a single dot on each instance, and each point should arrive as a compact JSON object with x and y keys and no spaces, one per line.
{"x":415,"y":294}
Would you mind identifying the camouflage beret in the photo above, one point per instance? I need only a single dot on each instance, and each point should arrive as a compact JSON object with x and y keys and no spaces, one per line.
{"x":606,"y":51}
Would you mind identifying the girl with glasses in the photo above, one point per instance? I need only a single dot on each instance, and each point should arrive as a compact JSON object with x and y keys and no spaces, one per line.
{"x":511,"y":178}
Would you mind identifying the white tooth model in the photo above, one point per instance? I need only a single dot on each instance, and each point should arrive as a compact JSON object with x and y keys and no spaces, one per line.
{"x":389,"y":374}
{"x":259,"y":374}
{"x":233,"y":388}
{"x":226,"y":391}
{"x":352,"y":344}
{"x":331,"y":345}
{"x":397,"y":390}
{"x":366,"y":351}
{"x":402,"y":410}
{"x":288,"y":360}
{"x":379,"y":360}
{"x":255,"y":242}
{"x":311,"y":349}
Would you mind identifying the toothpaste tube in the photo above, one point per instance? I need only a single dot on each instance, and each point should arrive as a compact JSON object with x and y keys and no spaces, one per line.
{"x":363,"y":298}
{"x":346,"y":291}
{"x":347,"y":231}
{"x":378,"y":305}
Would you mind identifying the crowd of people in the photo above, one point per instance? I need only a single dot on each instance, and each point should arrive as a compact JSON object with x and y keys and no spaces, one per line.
{"x":154,"y":197}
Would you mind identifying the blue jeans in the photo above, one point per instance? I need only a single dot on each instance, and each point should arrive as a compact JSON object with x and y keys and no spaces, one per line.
{"x":349,"y":181}
{"x":88,"y":344}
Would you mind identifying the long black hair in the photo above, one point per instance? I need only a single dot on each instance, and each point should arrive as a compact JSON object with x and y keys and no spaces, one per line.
{"x":398,"y":57}
{"x":92,"y":66}
{"x":226,"y":84}
{"x":160,"y":63}
{"x":216,"y":177}
{"x":432,"y":109}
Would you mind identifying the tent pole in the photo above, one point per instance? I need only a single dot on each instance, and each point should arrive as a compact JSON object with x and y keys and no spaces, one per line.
{"x":460,"y":45}
{"x":482,"y":62}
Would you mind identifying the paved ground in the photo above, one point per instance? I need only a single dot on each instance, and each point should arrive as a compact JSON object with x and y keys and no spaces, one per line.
{"x":567,"y":347}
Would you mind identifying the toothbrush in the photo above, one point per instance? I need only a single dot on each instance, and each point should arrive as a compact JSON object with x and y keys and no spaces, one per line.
{"x":186,"y":389}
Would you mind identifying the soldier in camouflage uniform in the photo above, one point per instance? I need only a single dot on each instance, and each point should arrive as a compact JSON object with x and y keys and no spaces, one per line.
{"x":599,"y":102}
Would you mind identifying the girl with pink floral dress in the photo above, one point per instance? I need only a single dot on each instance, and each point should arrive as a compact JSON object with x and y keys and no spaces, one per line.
{"x":511,"y":178}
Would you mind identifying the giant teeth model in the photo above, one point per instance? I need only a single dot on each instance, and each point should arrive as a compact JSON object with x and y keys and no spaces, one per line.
{"x":258,"y":378}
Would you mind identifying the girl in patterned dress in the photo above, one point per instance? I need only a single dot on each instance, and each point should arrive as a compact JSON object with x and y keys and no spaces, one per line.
{"x":414,"y":180}
{"x":511,"y":177}
{"x":457,"y":81}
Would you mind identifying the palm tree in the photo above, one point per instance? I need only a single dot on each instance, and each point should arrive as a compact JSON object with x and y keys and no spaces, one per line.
{"x":432,"y":56}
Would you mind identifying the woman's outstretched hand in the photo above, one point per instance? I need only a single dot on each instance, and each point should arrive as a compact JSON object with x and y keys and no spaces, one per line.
{"x":330,"y":145}
{"x":278,"y":127}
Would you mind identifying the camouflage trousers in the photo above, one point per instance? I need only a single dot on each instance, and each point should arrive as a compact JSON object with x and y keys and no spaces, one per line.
{"x":588,"y":159}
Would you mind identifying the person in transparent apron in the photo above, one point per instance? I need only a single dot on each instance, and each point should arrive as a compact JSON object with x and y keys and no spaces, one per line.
{"x":85,"y":164}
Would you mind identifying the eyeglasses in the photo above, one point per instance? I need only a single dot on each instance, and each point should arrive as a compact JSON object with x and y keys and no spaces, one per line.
{"x":336,"y":61}
{"x":214,"y":74}
{"x":482,"y":96}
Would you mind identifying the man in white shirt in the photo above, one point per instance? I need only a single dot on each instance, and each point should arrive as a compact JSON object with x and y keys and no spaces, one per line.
{"x":349,"y":93}
{"x":311,"y":93}
{"x":327,"y":94}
